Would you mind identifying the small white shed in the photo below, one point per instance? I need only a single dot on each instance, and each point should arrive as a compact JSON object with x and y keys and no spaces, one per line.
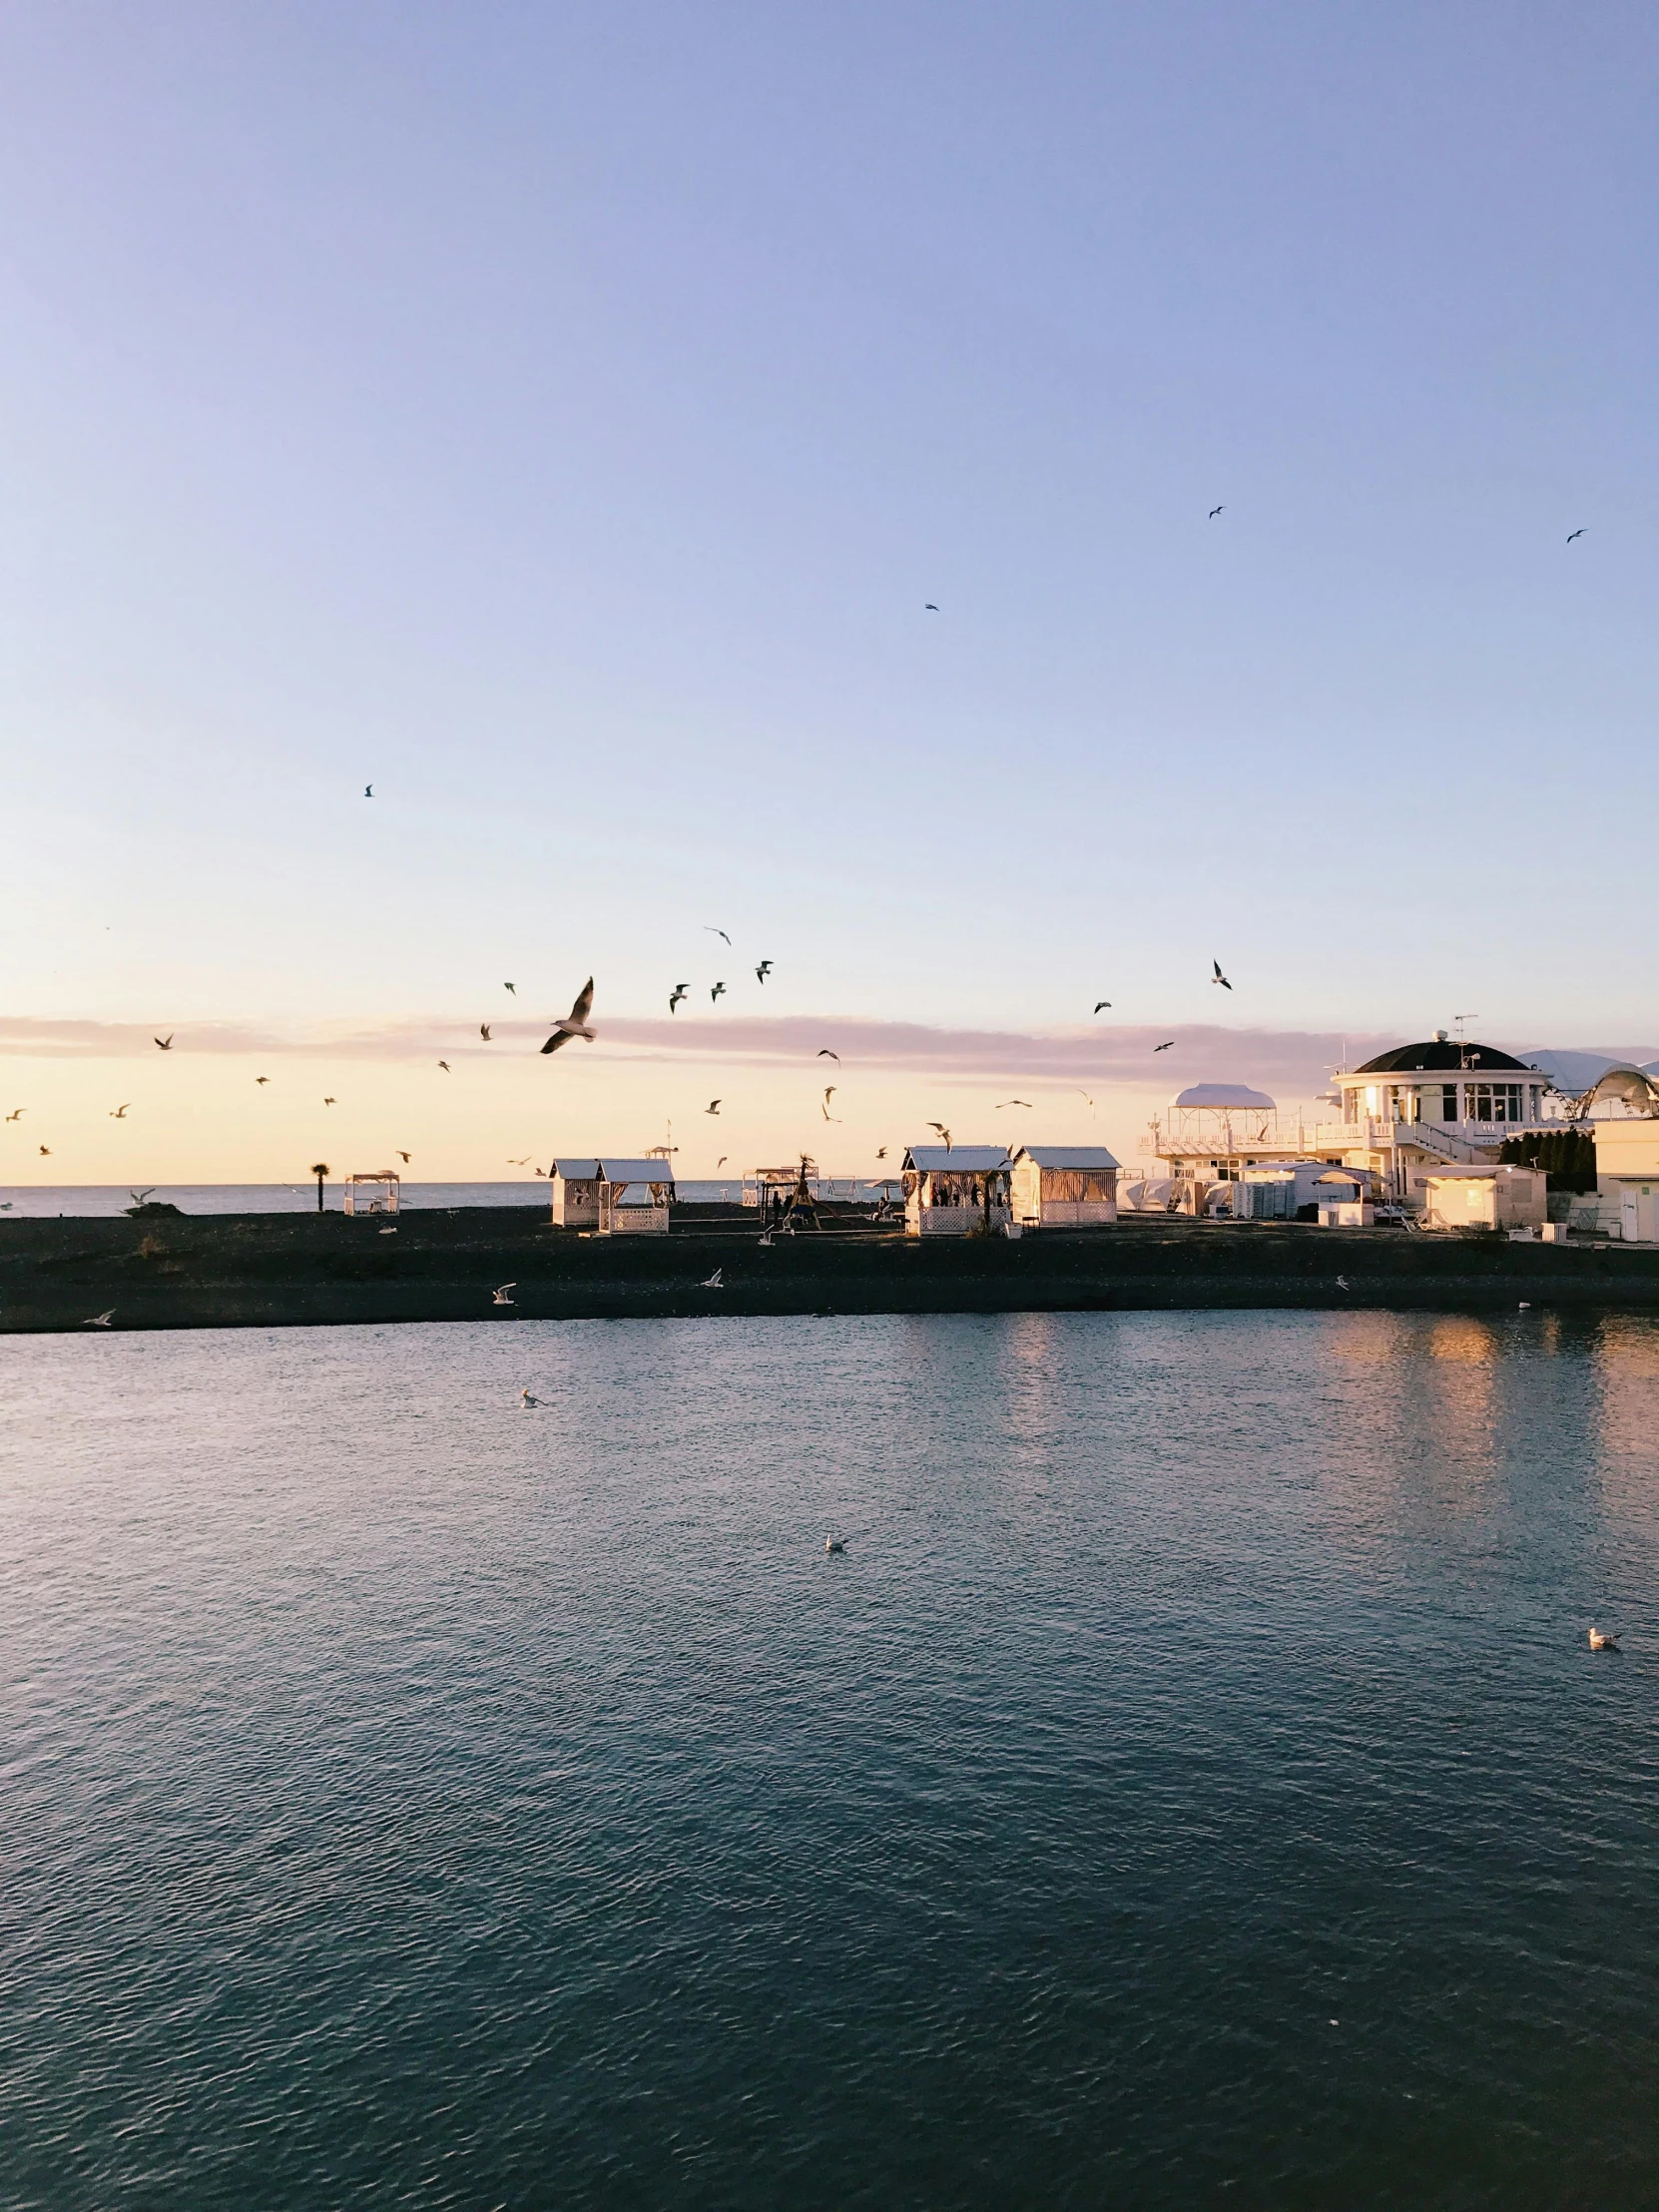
{"x":952,"y":1190}
{"x":1064,"y":1186}
{"x":1484,"y":1198}
{"x":576,"y":1194}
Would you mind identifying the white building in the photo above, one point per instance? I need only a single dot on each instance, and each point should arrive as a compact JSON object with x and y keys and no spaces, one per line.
{"x":952,"y":1190}
{"x":1627,"y":1154}
{"x":1437,"y":1104}
{"x":613,"y":1196}
{"x":1071,"y":1186}
{"x":1481,"y":1198}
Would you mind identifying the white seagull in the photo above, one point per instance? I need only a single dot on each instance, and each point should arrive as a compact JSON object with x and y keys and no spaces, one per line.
{"x":103,"y":1320}
{"x":833,"y":1543}
{"x":1600,"y":1641}
{"x":711,"y":1283}
{"x":526,"y":1399}
{"x":504,"y":1297}
{"x":575,"y":1023}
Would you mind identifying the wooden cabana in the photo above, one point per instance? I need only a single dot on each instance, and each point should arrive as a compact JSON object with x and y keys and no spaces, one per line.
{"x":1064,"y":1186}
{"x":950,"y":1191}
{"x":635,"y":1197}
{"x":576,"y":1194}
{"x":375,"y":1193}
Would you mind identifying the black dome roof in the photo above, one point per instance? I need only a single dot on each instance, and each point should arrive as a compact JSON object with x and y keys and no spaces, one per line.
{"x":1440,"y":1052}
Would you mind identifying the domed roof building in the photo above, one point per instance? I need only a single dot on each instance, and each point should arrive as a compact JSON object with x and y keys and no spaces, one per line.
{"x":1444,"y":1102}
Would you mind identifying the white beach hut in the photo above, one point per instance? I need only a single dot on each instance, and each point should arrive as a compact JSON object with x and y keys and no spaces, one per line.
{"x":1064,"y":1186}
{"x":634,"y":1197}
{"x":373,"y":1193}
{"x":952,"y":1190}
{"x":576,"y":1194}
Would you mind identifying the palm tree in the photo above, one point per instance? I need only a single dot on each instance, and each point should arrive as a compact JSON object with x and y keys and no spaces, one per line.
{"x":319,"y":1168}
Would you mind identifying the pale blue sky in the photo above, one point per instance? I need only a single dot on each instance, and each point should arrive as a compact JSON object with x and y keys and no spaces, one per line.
{"x":559,"y":416}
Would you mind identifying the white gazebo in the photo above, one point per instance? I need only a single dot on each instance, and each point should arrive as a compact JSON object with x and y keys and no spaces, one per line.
{"x":1064,"y":1186}
{"x":949,"y":1191}
{"x":373,"y":1193}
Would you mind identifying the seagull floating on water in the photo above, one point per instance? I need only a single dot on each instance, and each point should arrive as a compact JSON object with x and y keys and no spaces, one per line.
{"x":526,"y":1399}
{"x":833,"y":1543}
{"x":1602,"y":1642}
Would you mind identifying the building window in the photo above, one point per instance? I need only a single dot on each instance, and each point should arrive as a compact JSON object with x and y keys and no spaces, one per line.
{"x":1495,"y":1101}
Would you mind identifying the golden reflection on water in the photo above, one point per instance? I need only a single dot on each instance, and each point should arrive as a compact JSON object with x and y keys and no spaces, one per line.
{"x":1626,"y":1367}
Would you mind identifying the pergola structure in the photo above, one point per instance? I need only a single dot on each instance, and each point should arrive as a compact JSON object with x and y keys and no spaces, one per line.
{"x":375,"y":1193}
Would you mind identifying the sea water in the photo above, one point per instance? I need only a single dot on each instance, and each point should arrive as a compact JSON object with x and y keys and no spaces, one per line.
{"x":1191,"y":1786}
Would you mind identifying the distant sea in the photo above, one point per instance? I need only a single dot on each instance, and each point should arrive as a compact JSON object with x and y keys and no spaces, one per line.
{"x":39,"y":1202}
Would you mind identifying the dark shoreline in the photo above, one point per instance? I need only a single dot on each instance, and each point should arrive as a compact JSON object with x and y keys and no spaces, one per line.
{"x":299,"y":1270}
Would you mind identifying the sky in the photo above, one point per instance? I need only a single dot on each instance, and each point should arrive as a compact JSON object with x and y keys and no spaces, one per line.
{"x":561,"y":420}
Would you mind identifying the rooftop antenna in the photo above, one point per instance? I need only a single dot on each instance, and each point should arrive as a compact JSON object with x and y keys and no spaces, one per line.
{"x":1462,"y":1046}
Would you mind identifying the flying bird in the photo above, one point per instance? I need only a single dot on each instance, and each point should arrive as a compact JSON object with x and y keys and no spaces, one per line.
{"x":711,"y":1281}
{"x":716,"y":993}
{"x":714,"y":933}
{"x":513,"y":987}
{"x":447,"y":1069}
{"x":484,"y":1031}
{"x":103,"y":1320}
{"x":1214,"y":511}
{"x":404,"y":1157}
{"x":828,"y":1096}
{"x":260,"y":1079}
{"x":575,"y":1023}
{"x":720,"y":1161}
{"x":1090,"y":1102}
{"x":1163,"y":1047}
{"x":524,"y":1163}
{"x":678,"y":994}
{"x":17,"y":1113}
{"x":165,"y":1042}
{"x":825,"y":1053}
{"x":119,"y":1113}
{"x":762,"y":971}
{"x":368,"y":790}
{"x":882,"y":1152}
{"x":46,"y":1152}
{"x":1218,"y":977}
{"x":928,"y":607}
{"x":504,"y":1297}
{"x":1100,"y":1003}
{"x":713,"y":1106}
{"x":1013,"y":1102}
{"x":943,"y":1132}
{"x":138,"y":1196}
{"x":327,"y":1102}
{"x":1571,"y":536}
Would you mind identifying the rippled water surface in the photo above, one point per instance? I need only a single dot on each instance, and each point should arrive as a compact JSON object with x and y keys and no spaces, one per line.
{"x":1192,"y":1786}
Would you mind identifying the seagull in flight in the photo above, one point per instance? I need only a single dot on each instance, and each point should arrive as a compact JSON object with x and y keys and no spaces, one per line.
{"x":99,"y":1320}
{"x":575,"y":1023}
{"x":368,"y":790}
{"x":1218,"y":977}
{"x":513,"y":987}
{"x":714,"y":933}
{"x":762,"y":971}
{"x":46,"y":1152}
{"x":504,"y":1295}
{"x":447,"y":1069}
{"x":1012,"y":1102}
{"x":716,"y":993}
{"x":1214,"y":511}
{"x":484,"y":1031}
{"x":828,"y":1096}
{"x":524,"y":1163}
{"x":1089,"y":1101}
{"x":823,"y":1053}
{"x":943,"y":1132}
{"x":404,"y":1157}
{"x":165,"y":1042}
{"x":138,"y":1196}
{"x":119,"y":1113}
{"x":17,"y":1113}
{"x":1101,"y":1003}
{"x":882,"y":1152}
{"x":1575,"y":534}
{"x":929,"y":608}
{"x":1163,"y":1047}
{"x":259,"y":1079}
{"x":328,"y":1102}
{"x":713,"y":1106}
{"x":711,"y":1281}
{"x":720,"y":1161}
{"x":678,"y":994}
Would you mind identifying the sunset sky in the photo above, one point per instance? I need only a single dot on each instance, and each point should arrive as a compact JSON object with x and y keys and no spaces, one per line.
{"x":560,"y":418}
